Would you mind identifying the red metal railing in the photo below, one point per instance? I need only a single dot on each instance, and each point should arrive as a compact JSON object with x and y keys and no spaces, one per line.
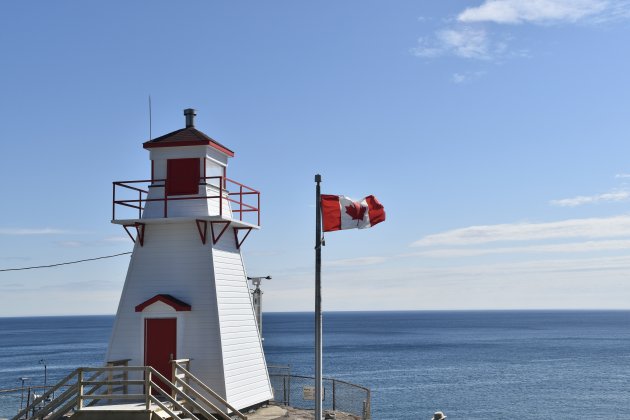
{"x":235,"y":193}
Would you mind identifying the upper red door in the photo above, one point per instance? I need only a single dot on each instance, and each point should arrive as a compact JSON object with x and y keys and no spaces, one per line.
{"x":182,"y":176}
{"x":160,"y":345}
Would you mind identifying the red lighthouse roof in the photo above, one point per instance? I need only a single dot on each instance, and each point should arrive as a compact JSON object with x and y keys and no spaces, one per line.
{"x":188,"y":136}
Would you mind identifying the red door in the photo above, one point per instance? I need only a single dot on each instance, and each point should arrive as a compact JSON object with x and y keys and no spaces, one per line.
{"x":160,"y":344}
{"x":182,"y":176}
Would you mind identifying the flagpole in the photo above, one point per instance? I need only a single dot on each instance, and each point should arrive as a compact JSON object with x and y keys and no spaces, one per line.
{"x":318,"y":301}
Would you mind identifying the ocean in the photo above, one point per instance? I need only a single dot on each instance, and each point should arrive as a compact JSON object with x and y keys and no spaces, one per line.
{"x":469,"y":364}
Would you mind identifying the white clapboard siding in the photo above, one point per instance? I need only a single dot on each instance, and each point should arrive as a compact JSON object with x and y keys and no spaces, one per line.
{"x":172,"y":261}
{"x":219,"y":334}
{"x":241,"y":342}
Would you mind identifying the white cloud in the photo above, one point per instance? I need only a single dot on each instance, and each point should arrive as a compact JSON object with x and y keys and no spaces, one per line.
{"x":534,"y":11}
{"x":466,"y":42}
{"x":29,"y":231}
{"x":108,"y":241}
{"x":72,"y":244}
{"x":573,"y":228}
{"x":116,"y":239}
{"x":466,"y":77}
{"x":459,"y":78}
{"x":469,"y":36}
{"x":360,"y":261}
{"x":622,"y":176}
{"x":619,"y":9}
{"x":506,"y":272}
{"x":572,"y":247}
{"x":463,"y":42}
{"x":592,"y":199}
{"x":583,"y":282}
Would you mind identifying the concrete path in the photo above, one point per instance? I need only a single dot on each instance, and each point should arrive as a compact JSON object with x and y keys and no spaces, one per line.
{"x":274,"y":412}
{"x":271,"y":412}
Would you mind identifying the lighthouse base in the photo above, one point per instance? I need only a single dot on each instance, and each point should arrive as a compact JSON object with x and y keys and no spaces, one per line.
{"x":183,"y":298}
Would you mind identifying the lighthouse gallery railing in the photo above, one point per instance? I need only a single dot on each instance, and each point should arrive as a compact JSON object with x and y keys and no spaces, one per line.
{"x":235,"y":193}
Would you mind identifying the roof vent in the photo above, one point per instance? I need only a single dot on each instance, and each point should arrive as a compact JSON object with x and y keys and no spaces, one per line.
{"x":190,"y":117}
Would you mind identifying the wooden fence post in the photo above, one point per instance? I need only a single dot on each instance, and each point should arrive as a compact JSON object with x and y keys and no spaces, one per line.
{"x":80,"y":390}
{"x":147,"y":388}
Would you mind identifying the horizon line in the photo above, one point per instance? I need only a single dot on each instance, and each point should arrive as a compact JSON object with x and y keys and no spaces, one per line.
{"x":373,"y":311}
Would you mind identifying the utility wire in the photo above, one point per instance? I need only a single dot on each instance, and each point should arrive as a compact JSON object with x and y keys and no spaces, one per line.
{"x":63,"y":263}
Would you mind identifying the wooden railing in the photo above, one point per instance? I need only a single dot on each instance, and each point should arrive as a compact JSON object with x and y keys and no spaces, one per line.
{"x":82,"y":389}
{"x":182,"y":379}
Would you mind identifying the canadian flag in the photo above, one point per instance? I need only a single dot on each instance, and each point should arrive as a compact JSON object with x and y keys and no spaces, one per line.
{"x":340,"y":212}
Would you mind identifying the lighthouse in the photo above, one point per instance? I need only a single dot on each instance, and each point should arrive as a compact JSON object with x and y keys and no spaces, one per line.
{"x":186,"y":294}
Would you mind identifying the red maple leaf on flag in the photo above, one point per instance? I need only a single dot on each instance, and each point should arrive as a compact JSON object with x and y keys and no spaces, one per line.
{"x":356,"y":211}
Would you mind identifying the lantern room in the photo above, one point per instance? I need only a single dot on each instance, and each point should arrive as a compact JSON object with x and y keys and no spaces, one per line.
{"x":188,"y":181}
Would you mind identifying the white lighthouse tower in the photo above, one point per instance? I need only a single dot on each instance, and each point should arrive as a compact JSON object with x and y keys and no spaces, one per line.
{"x":186,"y":294}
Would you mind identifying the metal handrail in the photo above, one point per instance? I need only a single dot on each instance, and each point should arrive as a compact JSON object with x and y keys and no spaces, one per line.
{"x":241,"y":206}
{"x":46,"y":394}
{"x":365,"y":411}
{"x":327,"y":379}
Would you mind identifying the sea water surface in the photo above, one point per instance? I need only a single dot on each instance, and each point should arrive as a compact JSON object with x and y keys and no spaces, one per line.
{"x":469,"y":364}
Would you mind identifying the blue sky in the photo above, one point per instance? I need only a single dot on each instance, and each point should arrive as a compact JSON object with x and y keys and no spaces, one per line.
{"x":496,"y":134}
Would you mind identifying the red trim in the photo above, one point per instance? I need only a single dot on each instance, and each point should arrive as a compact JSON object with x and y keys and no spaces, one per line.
{"x":239,"y":243}
{"x":129,"y":233}
{"x":202,"y":234}
{"x":215,"y":239}
{"x":242,"y":198}
{"x":139,"y":232}
{"x":174,"y":303}
{"x":191,"y":143}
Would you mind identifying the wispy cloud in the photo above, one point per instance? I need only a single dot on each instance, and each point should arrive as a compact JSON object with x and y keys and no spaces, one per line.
{"x":360,"y":261}
{"x":534,"y":11}
{"x":107,"y":241}
{"x":34,"y":231}
{"x":592,"y":199}
{"x":116,"y":239}
{"x":573,"y":236}
{"x":464,"y":42}
{"x":73,"y":244}
{"x":573,"y":228}
{"x":571,"y":247}
{"x":622,"y":176}
{"x":470,"y":36}
{"x":506,"y":271}
{"x":467,"y":76}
